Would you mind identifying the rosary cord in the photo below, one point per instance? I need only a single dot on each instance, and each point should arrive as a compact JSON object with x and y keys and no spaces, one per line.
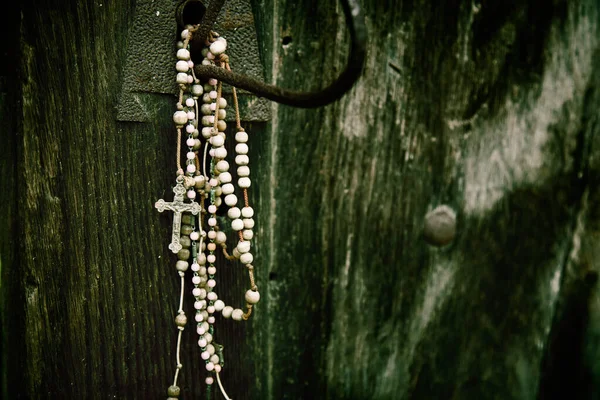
{"x":235,"y":102}
{"x":221,"y":387}
{"x":179,"y":150}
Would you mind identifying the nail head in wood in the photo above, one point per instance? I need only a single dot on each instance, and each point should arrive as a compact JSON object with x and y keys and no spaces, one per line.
{"x":440,"y":226}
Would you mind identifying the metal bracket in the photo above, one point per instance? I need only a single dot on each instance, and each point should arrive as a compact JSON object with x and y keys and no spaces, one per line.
{"x":149,"y":67}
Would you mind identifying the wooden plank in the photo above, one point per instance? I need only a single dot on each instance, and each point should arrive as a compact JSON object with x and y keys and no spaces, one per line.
{"x":487,"y":108}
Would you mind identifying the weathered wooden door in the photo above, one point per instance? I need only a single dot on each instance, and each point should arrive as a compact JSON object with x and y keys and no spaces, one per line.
{"x":489,"y":108}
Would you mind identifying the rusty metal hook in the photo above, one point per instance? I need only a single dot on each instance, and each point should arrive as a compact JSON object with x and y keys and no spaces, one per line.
{"x":358,"y":36}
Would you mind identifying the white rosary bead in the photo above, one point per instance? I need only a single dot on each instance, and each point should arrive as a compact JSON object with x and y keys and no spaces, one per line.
{"x":243,"y":247}
{"x":217,"y":141}
{"x":190,"y":154}
{"x":183,"y":54}
{"x":191,"y":115}
{"x":212,"y":222}
{"x":221,"y":237}
{"x":200,"y":304}
{"x":213,"y":94}
{"x":191,"y":168}
{"x":206,"y":108}
{"x":209,"y":379}
{"x":222,"y":103}
{"x":244,"y":170}
{"x":180,"y":118}
{"x":246,"y":258}
{"x":182,"y":66}
{"x":225,"y":177}
{"x":198,"y":317}
{"x":248,"y":234}
{"x":181,"y":265}
{"x":233,"y":212}
{"x":214,"y":359}
{"x":237,"y":224}
{"x":231,"y":200}
{"x":185,"y":34}
{"x":189,"y":101}
{"x":211,"y":258}
{"x":218,"y":47}
{"x":207,"y":132}
{"x":190,"y":79}
{"x":212,"y":209}
{"x":205,"y":355}
{"x":211,"y":319}
{"x":180,"y":44}
{"x":194,"y":236}
{"x":212,"y":271}
{"x":222,"y":166}
{"x":203,"y":327}
{"x":244,"y":182}
{"x":212,"y":295}
{"x":209,"y":347}
{"x":236,"y":253}
{"x":191,"y":194}
{"x":220,"y":152}
{"x":219,"y":305}
{"x":190,"y":142}
{"x":190,"y":128}
{"x":210,"y":366}
{"x":182,"y":78}
{"x":201,"y":259}
{"x":248,"y":223}
{"x":247,"y":212}
{"x":206,"y":62}
{"x":227,"y":311}
{"x":227,"y":188}
{"x":210,"y":309}
{"x":241,"y":148}
{"x":241,"y":137}
{"x":197,"y":90}
{"x":237,"y":314}
{"x":208,"y":120}
{"x":198,"y":292}
{"x":202,"y":342}
{"x":252,"y":296}
{"x":211,"y":283}
{"x":242,"y":159}
{"x":200,"y":180}
{"x":195,"y":268}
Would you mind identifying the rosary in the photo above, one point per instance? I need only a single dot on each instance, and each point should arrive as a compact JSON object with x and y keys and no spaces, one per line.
{"x":197,"y":239}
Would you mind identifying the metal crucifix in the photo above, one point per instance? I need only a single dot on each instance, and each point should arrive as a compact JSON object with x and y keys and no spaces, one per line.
{"x":178,"y":207}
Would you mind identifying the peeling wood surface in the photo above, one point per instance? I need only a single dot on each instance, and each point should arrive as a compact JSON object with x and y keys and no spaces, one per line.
{"x":491,"y":109}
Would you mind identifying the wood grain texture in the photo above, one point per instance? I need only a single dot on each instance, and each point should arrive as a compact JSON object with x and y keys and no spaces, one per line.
{"x":488,"y":108}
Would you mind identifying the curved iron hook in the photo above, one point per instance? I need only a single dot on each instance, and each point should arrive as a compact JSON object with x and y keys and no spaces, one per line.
{"x":353,"y":70}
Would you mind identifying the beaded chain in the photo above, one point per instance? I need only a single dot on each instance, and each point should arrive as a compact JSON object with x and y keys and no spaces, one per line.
{"x":196,"y":231}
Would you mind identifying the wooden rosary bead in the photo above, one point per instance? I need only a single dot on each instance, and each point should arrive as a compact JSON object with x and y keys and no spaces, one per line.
{"x":183,"y":254}
{"x":180,"y":320}
{"x":173,"y":391}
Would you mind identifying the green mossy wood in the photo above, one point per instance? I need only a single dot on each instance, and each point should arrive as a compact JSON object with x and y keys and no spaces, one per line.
{"x":491,"y":108}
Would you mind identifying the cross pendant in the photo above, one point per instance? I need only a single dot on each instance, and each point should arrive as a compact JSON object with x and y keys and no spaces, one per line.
{"x":178,"y":207}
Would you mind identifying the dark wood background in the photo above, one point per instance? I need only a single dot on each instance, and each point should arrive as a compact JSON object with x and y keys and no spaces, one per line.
{"x":491,"y":108}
